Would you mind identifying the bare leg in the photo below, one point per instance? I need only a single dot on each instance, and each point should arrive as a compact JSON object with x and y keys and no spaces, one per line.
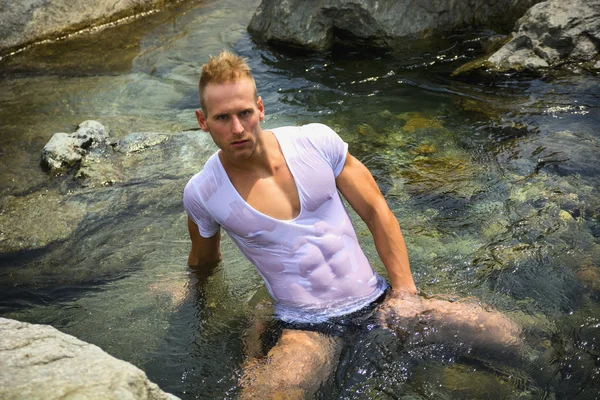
{"x":464,"y":323}
{"x":293,"y":369}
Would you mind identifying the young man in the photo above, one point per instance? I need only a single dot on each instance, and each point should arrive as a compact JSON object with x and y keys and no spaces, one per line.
{"x":276,"y":193}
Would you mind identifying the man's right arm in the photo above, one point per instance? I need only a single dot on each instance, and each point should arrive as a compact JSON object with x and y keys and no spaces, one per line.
{"x":205,"y":252}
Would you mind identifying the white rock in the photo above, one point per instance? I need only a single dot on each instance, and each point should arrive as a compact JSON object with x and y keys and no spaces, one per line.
{"x":40,"y":362}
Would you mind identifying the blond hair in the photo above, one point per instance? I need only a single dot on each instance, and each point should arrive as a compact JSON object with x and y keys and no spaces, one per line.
{"x":225,"y":68}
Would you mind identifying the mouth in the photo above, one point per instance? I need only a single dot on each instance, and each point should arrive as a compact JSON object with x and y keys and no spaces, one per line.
{"x":239,"y":142}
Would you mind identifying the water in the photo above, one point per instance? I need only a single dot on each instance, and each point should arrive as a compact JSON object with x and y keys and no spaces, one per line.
{"x":494,"y":182}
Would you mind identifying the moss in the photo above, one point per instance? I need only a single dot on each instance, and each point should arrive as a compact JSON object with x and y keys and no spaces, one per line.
{"x":425,"y":149}
{"x":472,"y":66}
{"x":420,"y":122}
{"x":589,"y":277}
{"x":469,"y":382}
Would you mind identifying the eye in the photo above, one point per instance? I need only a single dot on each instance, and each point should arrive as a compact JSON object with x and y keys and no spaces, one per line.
{"x":245,"y":113}
{"x":221,"y":117}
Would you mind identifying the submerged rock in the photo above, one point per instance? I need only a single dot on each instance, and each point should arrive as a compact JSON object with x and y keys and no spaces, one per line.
{"x":589,"y":277}
{"x":40,"y":362}
{"x":318,"y":25}
{"x":419,"y":121}
{"x":38,"y":219}
{"x":144,"y":168}
{"x":441,"y":380}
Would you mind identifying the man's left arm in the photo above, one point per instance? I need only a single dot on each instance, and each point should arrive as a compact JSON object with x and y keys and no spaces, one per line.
{"x":357,"y":185}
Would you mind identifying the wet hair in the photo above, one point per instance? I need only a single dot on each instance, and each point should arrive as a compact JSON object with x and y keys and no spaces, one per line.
{"x":225,"y":68}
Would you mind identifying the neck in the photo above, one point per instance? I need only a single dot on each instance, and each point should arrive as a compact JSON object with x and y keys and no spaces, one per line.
{"x":259,"y":160}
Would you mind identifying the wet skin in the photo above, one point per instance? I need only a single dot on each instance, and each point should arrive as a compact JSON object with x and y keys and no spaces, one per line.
{"x":301,"y":360}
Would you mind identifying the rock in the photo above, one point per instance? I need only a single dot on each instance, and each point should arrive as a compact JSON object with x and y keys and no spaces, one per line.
{"x":459,"y":380}
{"x":589,"y":277}
{"x":106,"y":165}
{"x":552,"y":34}
{"x":145,"y":168}
{"x":40,"y":362}
{"x":318,"y":25}
{"x":27,"y":21}
{"x":37,"y":220}
{"x":139,"y":141}
{"x":418,"y":121}
{"x":65,"y":151}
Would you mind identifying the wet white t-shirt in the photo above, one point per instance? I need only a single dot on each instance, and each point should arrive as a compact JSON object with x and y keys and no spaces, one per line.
{"x":312,"y":265}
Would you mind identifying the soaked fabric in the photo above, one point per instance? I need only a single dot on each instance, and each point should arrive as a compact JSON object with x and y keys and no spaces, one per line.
{"x":340,"y":326}
{"x":312,"y":265}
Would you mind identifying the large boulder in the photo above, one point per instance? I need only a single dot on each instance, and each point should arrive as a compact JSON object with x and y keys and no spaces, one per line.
{"x":551,"y":34}
{"x":40,"y":362}
{"x":25,"y":21}
{"x":318,"y":25}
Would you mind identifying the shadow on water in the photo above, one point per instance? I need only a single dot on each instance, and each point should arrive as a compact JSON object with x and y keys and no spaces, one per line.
{"x":494,"y":182}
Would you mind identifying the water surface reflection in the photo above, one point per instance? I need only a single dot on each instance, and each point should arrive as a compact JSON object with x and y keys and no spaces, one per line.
{"x":495,"y":184}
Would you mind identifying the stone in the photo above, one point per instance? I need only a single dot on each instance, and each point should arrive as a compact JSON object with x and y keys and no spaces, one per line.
{"x":65,"y":151}
{"x":320,"y":25}
{"x":131,"y":167}
{"x":139,"y":141}
{"x":552,"y":34}
{"x":38,"y":219}
{"x":27,"y":21}
{"x":40,"y":362}
{"x":589,"y":277}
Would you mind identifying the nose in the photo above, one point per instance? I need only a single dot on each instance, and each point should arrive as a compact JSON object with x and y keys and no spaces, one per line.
{"x":236,"y":126}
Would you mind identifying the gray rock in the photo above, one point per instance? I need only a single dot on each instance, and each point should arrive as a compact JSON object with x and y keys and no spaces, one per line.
{"x":40,"y":362}
{"x":65,"y":151}
{"x":37,"y":220}
{"x":144,"y":168}
{"x":553,"y":34}
{"x":105,"y":167}
{"x":26,"y":21}
{"x":139,"y":141}
{"x":318,"y":25}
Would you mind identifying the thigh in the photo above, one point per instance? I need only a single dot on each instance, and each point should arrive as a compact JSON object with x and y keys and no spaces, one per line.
{"x":435,"y":320}
{"x":475,"y":324}
{"x":295,"y":367}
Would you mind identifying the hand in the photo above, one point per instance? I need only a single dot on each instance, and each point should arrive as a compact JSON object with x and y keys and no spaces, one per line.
{"x":400,"y":308}
{"x":404,"y":284}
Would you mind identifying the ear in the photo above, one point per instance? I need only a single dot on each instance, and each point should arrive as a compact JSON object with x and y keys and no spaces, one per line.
{"x":261,"y":107}
{"x":201,"y":120}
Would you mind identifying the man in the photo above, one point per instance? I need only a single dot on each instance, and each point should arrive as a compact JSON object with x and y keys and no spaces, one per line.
{"x":275,"y":192}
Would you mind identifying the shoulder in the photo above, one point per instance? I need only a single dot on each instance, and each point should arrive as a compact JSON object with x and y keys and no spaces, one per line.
{"x":200,"y":183}
{"x":207,"y":169}
{"x":317,"y":139}
{"x":316,"y":134}
{"x":314,"y":129}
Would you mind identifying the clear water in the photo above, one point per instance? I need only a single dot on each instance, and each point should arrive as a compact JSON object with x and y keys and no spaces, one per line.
{"x":494,"y":182}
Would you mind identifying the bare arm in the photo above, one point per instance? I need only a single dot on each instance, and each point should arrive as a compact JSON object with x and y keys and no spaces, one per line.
{"x":205,"y":252}
{"x":357,"y":185}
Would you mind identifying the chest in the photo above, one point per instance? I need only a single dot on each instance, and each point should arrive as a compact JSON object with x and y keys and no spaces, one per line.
{"x":274,"y":194}
{"x":299,"y":184}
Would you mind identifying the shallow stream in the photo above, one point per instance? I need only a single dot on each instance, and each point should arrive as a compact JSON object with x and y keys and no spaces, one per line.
{"x":494,"y":182}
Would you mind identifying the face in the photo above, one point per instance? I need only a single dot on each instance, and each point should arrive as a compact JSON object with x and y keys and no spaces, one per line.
{"x":232,"y":118}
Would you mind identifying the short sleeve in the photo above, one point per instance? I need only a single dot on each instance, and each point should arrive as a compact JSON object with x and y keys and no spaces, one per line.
{"x":196,"y":210}
{"x":330,"y":145}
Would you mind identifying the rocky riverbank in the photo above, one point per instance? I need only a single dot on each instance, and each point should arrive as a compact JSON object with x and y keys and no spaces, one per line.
{"x":29,"y":21}
{"x":40,"y":362}
{"x":320,"y":25}
{"x":549,"y":35}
